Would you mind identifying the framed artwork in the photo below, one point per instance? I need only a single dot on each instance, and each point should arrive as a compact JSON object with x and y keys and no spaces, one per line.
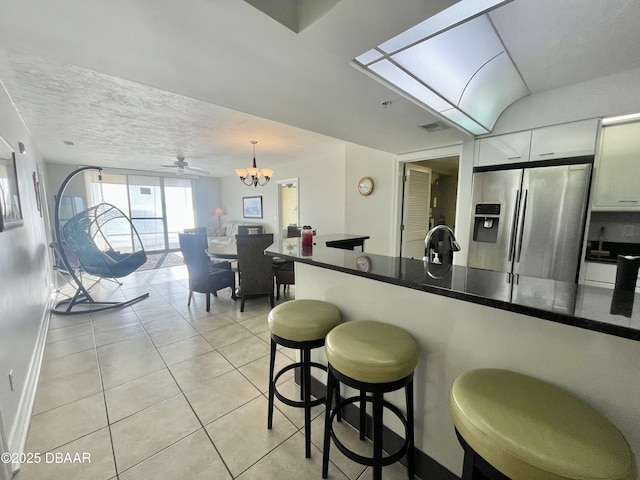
{"x":252,"y":207}
{"x":10,"y":207}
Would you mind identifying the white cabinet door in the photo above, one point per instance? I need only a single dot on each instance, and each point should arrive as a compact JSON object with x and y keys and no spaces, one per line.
{"x":567,"y":140}
{"x":501,"y":149}
{"x":618,"y":169}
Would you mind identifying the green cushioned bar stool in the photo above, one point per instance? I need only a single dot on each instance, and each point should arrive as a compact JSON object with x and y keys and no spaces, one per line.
{"x":302,"y":325}
{"x":373,"y":358}
{"x":518,"y":427}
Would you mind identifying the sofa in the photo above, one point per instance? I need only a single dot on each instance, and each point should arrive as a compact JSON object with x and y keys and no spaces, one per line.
{"x":227,"y":232}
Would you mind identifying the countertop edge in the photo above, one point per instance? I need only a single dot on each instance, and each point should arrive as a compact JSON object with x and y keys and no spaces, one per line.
{"x":580,"y":322}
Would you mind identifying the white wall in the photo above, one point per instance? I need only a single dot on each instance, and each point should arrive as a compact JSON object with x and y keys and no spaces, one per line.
{"x":322,"y":197}
{"x":372,"y":215}
{"x":25,"y":282}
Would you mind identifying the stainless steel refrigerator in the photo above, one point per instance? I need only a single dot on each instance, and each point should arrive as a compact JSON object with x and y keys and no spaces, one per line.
{"x":529,"y":221}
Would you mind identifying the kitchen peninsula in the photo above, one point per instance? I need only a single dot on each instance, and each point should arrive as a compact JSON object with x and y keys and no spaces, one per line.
{"x":582,"y":338}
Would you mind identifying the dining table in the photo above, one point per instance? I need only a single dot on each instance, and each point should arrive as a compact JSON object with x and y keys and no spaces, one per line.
{"x":227,"y":251}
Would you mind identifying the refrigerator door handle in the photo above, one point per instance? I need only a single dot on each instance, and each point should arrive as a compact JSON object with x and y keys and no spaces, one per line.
{"x":512,"y":231}
{"x":521,"y":227}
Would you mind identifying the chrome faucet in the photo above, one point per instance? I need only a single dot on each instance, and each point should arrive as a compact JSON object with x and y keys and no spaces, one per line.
{"x":455,"y":246}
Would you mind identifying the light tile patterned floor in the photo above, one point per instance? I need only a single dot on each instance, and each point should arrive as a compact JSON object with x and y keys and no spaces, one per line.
{"x":160,"y":390}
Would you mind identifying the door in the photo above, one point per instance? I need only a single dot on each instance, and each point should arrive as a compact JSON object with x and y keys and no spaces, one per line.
{"x":551,"y":224}
{"x":416,"y":210}
{"x":493,"y":202}
{"x":288,"y":213}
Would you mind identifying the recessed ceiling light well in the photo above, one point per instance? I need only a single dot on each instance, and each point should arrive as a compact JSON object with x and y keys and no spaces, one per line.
{"x":453,"y":64}
{"x":68,"y":143}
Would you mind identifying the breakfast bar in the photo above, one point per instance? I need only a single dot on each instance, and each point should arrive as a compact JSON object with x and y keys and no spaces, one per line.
{"x":581,"y":338}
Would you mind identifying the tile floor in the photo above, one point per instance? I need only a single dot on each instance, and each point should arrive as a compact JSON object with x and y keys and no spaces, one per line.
{"x":160,"y":390}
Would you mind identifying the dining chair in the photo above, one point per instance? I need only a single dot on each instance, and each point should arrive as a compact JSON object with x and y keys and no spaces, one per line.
{"x":249,"y":229}
{"x":254,"y":267}
{"x":204,"y":277}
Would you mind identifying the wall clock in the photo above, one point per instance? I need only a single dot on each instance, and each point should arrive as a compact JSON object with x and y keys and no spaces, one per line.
{"x":363,"y":264}
{"x":365,"y":186}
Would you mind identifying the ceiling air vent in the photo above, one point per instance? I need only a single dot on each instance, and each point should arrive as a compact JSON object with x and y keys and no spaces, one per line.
{"x":435,"y":126}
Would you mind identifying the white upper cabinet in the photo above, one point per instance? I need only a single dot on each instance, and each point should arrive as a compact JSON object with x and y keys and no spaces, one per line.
{"x":618,"y":169}
{"x":567,"y":140}
{"x":509,"y":148}
{"x":558,"y":141}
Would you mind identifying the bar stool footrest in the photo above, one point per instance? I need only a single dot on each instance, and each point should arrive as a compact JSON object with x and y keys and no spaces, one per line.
{"x":296,"y":403}
{"x":369,"y":461}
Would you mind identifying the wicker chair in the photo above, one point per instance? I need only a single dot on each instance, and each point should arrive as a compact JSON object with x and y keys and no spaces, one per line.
{"x":203,"y":276}
{"x":254,"y":267}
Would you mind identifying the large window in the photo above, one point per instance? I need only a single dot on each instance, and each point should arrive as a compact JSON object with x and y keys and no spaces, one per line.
{"x":159,"y":207}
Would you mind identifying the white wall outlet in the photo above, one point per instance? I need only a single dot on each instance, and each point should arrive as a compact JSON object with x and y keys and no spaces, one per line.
{"x":627,"y":230}
{"x":11,"y":382}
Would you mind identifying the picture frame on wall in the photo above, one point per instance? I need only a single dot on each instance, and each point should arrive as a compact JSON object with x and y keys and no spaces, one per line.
{"x":252,"y":207}
{"x":10,"y":206}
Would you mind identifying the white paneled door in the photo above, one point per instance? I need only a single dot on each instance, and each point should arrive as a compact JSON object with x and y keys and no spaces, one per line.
{"x":416,"y":210}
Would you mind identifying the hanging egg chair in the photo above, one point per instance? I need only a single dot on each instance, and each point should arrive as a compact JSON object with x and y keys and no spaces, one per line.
{"x":106,"y":244}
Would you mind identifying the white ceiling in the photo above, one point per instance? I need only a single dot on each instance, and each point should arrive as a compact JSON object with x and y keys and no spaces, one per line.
{"x":136,"y":83}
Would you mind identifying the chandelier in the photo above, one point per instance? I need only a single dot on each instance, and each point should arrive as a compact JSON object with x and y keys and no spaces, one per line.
{"x":254,"y":175}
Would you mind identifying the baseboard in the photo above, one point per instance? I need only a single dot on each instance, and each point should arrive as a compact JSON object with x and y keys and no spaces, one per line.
{"x":426,"y":467}
{"x":18,"y":435}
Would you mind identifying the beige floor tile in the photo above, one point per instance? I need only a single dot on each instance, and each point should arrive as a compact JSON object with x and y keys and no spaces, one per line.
{"x":201,"y":369}
{"x":242,"y":437}
{"x":94,"y":455}
{"x":166,"y":335}
{"x":287,"y":462}
{"x":193,"y":458}
{"x":257,"y":324}
{"x":394,"y":471}
{"x":184,"y":349}
{"x":63,"y":366}
{"x":209,"y":323}
{"x":227,"y":335}
{"x":133,"y":396}
{"x":106,"y":336}
{"x":68,"y":347}
{"x":53,"y":428}
{"x":220,"y":396}
{"x":118,"y":351}
{"x":130,"y":368}
{"x":61,"y":321}
{"x":257,"y":372}
{"x":245,"y":351}
{"x":71,"y":331}
{"x":163,"y":424}
{"x":67,"y":389}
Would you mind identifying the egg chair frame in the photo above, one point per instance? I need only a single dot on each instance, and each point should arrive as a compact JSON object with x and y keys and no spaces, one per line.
{"x":86,"y":234}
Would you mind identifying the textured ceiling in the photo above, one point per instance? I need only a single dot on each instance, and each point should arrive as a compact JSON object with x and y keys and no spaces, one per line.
{"x":135,"y":84}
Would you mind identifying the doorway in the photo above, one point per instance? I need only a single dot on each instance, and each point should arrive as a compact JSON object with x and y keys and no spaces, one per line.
{"x":430,"y":190}
{"x":288,"y":202}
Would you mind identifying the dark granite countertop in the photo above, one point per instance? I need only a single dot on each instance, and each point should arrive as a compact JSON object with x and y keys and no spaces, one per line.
{"x":592,"y":308}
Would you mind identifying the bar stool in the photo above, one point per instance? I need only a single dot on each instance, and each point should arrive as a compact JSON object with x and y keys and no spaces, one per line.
{"x":302,"y":325}
{"x":373,"y":358}
{"x":514,"y":426}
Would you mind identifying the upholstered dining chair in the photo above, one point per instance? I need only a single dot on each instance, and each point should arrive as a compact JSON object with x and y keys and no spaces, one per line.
{"x":283,"y":271}
{"x":204,"y":277}
{"x":254,"y":267}
{"x":249,"y":229}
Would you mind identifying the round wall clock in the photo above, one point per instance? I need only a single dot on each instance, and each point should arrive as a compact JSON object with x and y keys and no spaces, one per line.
{"x":365,"y":186}
{"x":363,"y":264}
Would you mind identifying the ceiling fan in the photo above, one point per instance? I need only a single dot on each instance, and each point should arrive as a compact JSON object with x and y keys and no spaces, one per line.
{"x":182,"y":167}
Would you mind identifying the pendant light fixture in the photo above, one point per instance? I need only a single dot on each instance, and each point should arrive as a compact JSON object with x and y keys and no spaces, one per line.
{"x":254,"y":176}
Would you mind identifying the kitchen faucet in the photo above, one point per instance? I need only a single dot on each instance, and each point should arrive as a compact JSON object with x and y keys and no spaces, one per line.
{"x":455,"y":246}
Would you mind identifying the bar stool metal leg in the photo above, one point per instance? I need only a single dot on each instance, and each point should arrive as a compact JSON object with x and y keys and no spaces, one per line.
{"x":272,"y":363}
